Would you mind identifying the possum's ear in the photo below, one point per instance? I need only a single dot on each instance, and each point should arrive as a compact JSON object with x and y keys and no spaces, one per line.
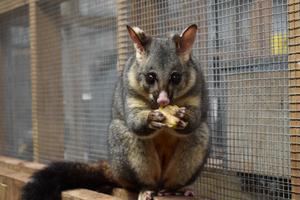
{"x":139,"y":38}
{"x":184,"y":42}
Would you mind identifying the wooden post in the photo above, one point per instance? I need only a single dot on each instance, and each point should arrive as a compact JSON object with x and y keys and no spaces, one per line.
{"x":146,"y":14}
{"x":133,"y":13}
{"x":294,"y":93}
{"x":2,"y":101}
{"x":46,"y":77}
{"x":122,"y":36}
{"x":265,"y":27}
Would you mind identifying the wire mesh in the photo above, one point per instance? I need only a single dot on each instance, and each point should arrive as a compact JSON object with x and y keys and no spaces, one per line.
{"x":89,"y":58}
{"x":15,"y":86}
{"x":58,"y":74}
{"x":242,"y":45}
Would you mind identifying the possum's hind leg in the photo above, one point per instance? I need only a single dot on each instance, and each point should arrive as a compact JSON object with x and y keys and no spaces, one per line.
{"x":133,"y":159}
{"x":187,"y":162}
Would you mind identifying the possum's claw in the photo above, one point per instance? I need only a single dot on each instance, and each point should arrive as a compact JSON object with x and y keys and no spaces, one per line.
{"x":181,"y":113}
{"x":155,"y":120}
{"x":188,"y":193}
{"x":164,"y":193}
{"x":183,"y":192}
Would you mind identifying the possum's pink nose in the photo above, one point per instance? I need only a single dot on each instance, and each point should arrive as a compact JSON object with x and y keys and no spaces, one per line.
{"x":163,"y":99}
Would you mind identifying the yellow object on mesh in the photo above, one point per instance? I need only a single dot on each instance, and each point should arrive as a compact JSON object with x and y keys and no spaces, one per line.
{"x":279,"y":43}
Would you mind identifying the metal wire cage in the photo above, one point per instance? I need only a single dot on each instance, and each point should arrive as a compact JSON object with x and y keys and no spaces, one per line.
{"x":59,"y":61}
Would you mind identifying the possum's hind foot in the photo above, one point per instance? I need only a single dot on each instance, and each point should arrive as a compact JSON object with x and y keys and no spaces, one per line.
{"x":187,"y":192}
{"x":146,"y":195}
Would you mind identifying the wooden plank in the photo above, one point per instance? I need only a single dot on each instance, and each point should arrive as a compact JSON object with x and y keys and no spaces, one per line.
{"x":10,"y":5}
{"x":50,"y":2}
{"x":3,"y":189}
{"x":14,"y":181}
{"x":14,"y":173}
{"x":294,"y":95}
{"x":124,"y":194}
{"x":83,"y":194}
{"x":88,"y":21}
{"x":46,"y":72}
{"x":19,"y":165}
{"x":174,"y":198}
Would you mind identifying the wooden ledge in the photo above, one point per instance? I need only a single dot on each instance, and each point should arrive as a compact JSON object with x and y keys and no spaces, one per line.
{"x":118,"y":194}
{"x":126,"y":195}
{"x":11,"y":5}
{"x":173,"y":198}
{"x":14,"y":173}
{"x":83,"y":194}
{"x":19,"y":165}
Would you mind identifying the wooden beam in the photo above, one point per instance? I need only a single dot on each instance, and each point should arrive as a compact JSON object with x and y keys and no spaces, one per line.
{"x":88,"y":21}
{"x":14,"y":173}
{"x":49,"y":2}
{"x":2,"y":90}
{"x":19,"y":165}
{"x":124,"y":194}
{"x":83,"y":194}
{"x":3,"y":189}
{"x":13,"y":182}
{"x":294,"y":94}
{"x":174,"y":198}
{"x":11,"y":5}
{"x":46,"y":83}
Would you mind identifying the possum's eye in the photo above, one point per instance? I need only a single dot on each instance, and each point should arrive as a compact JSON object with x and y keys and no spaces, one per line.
{"x":151,"y":78}
{"x":175,"y":78}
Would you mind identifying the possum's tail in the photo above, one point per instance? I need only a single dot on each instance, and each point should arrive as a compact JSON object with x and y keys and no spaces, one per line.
{"x":48,"y":183}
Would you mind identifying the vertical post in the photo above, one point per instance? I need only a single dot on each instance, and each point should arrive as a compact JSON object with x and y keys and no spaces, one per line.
{"x":2,"y":108}
{"x":34,"y":83}
{"x":46,"y":77}
{"x":122,"y":37}
{"x":3,"y":189}
{"x":146,"y":14}
{"x":265,"y":27}
{"x":261,"y":27}
{"x":294,"y":93}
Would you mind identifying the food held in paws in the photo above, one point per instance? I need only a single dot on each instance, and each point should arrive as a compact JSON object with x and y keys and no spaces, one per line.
{"x":169,"y":112}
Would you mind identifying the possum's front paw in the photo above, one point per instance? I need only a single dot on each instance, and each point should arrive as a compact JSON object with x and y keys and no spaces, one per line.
{"x":182,"y":115}
{"x":155,"y":119}
{"x":175,"y":116}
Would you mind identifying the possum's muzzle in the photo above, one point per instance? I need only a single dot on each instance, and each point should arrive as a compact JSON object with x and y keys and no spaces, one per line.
{"x":163,"y":98}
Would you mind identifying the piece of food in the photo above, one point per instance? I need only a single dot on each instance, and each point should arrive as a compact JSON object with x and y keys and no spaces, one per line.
{"x":169,"y":112}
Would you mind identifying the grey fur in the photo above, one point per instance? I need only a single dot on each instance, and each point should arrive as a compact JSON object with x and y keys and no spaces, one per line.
{"x":129,"y":133}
